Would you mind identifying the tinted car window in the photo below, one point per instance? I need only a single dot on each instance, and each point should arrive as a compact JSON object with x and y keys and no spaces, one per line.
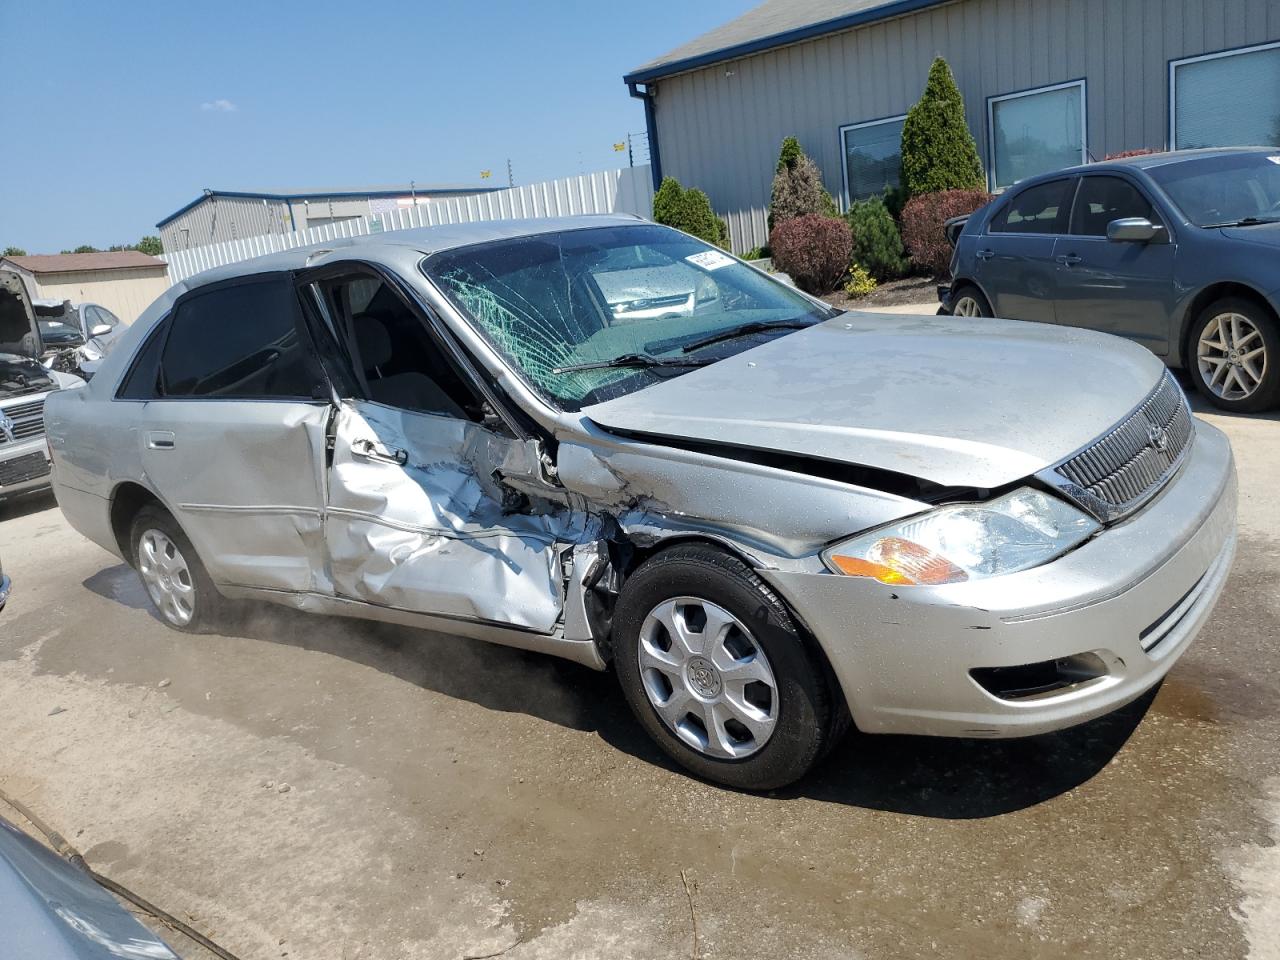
{"x":1103,"y":199}
{"x":1039,"y":209}
{"x":140,"y":382}
{"x":238,"y":341}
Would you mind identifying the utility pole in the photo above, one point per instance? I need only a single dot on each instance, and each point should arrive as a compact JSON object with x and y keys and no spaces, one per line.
{"x":510,"y":179}
{"x":631,"y":157}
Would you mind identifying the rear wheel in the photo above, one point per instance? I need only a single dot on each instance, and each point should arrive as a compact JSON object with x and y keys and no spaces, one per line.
{"x":1235,"y":356}
{"x":716,"y":671}
{"x":968,"y":301}
{"x":173,"y":575}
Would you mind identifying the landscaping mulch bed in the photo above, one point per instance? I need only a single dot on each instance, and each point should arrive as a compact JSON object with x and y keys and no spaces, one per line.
{"x":891,"y":294}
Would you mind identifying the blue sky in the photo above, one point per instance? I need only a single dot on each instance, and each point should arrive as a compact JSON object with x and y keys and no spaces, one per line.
{"x":130,"y":109}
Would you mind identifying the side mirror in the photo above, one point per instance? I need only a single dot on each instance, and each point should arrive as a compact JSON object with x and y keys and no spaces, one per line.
{"x":1133,"y":230}
{"x":101,"y":330}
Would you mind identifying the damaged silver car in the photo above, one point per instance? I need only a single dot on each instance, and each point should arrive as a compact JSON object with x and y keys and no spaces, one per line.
{"x":770,"y":517}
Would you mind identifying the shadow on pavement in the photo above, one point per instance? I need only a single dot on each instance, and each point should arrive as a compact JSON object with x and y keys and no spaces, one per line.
{"x":23,"y":504}
{"x":920,"y":776}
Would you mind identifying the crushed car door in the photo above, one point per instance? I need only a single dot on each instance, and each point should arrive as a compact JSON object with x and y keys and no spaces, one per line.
{"x":421,"y":514}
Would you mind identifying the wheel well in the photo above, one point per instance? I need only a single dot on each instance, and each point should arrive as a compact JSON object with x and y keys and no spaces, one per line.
{"x":1208,"y":295}
{"x":126,"y":501}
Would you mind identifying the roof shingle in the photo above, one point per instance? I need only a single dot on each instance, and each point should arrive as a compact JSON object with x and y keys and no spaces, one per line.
{"x":77,"y":262}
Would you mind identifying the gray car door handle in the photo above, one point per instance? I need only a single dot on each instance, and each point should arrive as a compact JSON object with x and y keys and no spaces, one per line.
{"x":985,"y":254}
{"x":1068,"y":259}
{"x":160,"y":440}
{"x":369,"y":450}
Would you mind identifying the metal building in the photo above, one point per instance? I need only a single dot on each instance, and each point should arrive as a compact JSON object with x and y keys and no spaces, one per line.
{"x":1046,"y":84}
{"x":123,"y":281}
{"x":218,"y":215}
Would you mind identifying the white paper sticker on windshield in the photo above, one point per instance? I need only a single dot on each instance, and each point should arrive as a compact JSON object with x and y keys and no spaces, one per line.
{"x":710,"y":260}
{"x":1274,"y":159}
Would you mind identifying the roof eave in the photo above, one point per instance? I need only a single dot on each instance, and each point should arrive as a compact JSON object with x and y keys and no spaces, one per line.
{"x":810,"y":31}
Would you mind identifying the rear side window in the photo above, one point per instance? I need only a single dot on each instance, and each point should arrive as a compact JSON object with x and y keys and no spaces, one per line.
{"x":242,"y":341}
{"x":1103,"y":199}
{"x":1039,"y":209}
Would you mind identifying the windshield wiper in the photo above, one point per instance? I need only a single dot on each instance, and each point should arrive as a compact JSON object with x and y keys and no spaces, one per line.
{"x":1243,"y":222}
{"x":631,"y":360}
{"x":746,"y":330}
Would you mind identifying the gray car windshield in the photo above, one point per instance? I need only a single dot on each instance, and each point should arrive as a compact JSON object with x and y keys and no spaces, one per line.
{"x":1239,"y":188}
{"x":624,"y":301}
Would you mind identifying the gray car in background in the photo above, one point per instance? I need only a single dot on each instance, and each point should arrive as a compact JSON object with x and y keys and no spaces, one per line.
{"x":768,"y":516}
{"x":1179,"y":252}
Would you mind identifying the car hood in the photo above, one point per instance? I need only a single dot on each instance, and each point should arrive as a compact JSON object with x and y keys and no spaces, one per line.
{"x":976,"y":403}
{"x":1262,"y":234}
{"x":22,"y":375}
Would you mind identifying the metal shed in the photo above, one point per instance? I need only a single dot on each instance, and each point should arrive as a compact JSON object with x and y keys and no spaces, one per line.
{"x":123,"y":281}
{"x":1086,"y":77}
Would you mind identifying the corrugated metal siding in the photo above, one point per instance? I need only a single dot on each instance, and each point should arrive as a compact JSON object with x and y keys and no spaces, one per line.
{"x":224,"y":218}
{"x":720,"y":127}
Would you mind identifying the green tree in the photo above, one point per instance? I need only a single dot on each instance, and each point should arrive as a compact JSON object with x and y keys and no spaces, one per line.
{"x":938,"y":152}
{"x":14,"y":252}
{"x":687,"y":210}
{"x":797,"y":187}
{"x":149,"y":245}
{"x":877,"y":244}
{"x":83,"y":248}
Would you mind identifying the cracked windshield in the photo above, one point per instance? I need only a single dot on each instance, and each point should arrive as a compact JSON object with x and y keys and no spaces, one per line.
{"x":589,"y":315}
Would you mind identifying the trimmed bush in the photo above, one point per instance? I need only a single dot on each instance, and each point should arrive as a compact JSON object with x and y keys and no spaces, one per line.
{"x":938,"y":152}
{"x":797,"y":187}
{"x":877,"y":245}
{"x":813,"y":250}
{"x":1140,"y":152}
{"x":922,"y":220}
{"x":860,"y":282}
{"x":687,"y":210}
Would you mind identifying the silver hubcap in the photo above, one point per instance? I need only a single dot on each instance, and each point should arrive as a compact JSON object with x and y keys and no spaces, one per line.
{"x":966,"y":307}
{"x":1231,"y":356}
{"x":166,"y":577}
{"x":708,"y":678}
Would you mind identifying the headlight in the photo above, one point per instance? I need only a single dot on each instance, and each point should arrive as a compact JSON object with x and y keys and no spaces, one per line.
{"x":965,"y":542}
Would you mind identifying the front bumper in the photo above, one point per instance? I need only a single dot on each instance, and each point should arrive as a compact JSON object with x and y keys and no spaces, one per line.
{"x":1129,"y":601}
{"x":24,"y":466}
{"x":944,"y":299}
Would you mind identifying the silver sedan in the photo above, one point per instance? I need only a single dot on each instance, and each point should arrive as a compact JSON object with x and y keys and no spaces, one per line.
{"x":770,"y":518}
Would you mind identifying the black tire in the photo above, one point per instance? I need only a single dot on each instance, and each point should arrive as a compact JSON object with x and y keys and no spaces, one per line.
{"x":209,"y":608}
{"x":807,"y":716}
{"x":1266,"y":394}
{"x":969,"y":290}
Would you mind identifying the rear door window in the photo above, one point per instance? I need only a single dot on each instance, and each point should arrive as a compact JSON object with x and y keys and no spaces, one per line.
{"x":1039,"y":209}
{"x":242,"y":341}
{"x":1103,"y":199}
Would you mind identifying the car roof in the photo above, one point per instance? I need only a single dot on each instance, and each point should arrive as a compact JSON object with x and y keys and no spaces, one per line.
{"x":391,"y":247}
{"x":1144,"y":161}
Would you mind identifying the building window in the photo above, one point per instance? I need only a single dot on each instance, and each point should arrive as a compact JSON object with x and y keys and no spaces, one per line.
{"x":1035,"y":131}
{"x":872,"y":157}
{"x":1226,"y":99}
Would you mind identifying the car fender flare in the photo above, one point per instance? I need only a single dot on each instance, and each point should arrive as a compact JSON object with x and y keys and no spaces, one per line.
{"x":1193,"y":303}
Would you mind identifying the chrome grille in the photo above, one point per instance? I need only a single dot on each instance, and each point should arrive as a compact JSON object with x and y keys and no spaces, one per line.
{"x":26,"y":420}
{"x":1127,"y":465}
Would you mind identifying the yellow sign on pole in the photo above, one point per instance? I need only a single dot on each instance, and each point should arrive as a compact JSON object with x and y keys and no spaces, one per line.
{"x":619,"y":147}
{"x":486,"y":174}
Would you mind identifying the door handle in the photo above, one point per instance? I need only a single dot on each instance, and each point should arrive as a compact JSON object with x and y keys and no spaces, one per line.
{"x":1068,"y":259}
{"x":160,"y":440}
{"x":985,"y":254}
{"x":369,"y":450}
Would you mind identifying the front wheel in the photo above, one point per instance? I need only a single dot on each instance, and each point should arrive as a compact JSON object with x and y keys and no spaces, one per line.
{"x":716,"y":671}
{"x":1235,"y":356}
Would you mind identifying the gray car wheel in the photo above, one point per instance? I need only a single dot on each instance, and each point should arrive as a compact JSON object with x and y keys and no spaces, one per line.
{"x":716,"y":670}
{"x":1235,"y":356}
{"x":968,"y":301}
{"x":174,"y":578}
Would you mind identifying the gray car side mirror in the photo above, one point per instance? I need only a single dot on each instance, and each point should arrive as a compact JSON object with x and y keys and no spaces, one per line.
{"x":101,"y":330}
{"x":1133,"y":230}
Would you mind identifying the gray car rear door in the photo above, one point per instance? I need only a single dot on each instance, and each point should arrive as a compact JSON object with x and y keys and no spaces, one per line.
{"x":232,"y":434}
{"x":434,"y":501}
{"x":1015,"y":265}
{"x":1124,"y":288}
